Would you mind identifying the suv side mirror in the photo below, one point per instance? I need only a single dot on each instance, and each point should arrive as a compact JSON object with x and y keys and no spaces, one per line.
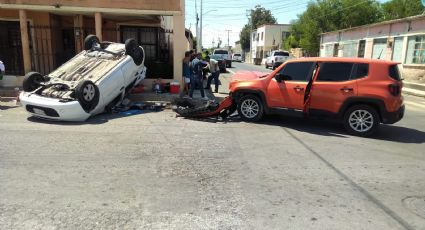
{"x":279,"y":77}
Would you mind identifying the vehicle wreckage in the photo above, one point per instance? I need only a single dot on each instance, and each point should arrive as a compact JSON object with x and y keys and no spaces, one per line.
{"x":94,"y":81}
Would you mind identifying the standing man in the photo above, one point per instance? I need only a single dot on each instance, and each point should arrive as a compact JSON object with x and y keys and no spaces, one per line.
{"x":196,"y":80}
{"x":215,"y":73}
{"x":2,"y":70}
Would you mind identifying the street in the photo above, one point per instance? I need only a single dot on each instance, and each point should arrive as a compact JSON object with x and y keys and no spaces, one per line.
{"x":158,"y":171}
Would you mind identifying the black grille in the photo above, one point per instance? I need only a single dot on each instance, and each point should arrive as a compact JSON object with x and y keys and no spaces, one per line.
{"x":48,"y":111}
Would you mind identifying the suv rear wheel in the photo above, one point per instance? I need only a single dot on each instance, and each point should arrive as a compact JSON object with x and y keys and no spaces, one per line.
{"x":250,"y":108}
{"x":361,"y":120}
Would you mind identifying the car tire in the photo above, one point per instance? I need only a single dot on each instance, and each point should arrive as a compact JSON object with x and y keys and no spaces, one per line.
{"x":134,"y":51}
{"x":90,"y":41}
{"x":361,"y":120}
{"x":230,"y":65}
{"x":87,"y":94}
{"x":250,"y":108}
{"x":32,"y":81}
{"x":267,"y":67}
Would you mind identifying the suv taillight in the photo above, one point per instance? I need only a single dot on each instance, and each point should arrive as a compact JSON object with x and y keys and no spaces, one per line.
{"x":394,"y":89}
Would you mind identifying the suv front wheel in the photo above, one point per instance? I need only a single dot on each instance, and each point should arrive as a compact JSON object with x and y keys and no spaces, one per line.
{"x":361,"y":120}
{"x":250,"y":108}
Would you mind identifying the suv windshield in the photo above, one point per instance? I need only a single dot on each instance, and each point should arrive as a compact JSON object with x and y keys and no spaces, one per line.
{"x":221,"y":52}
{"x":286,"y":54}
{"x":237,"y":55}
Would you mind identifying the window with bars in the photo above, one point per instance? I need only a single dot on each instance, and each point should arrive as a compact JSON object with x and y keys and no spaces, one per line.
{"x":416,"y":50}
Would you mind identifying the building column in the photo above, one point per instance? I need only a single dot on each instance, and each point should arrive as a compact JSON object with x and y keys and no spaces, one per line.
{"x":78,"y":33}
{"x":25,"y":40}
{"x":179,"y":47}
{"x":98,"y":24}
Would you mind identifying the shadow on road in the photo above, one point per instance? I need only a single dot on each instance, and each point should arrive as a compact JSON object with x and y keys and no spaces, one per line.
{"x":5,"y":107}
{"x":96,"y":120}
{"x":329,"y":128}
{"x":400,"y":134}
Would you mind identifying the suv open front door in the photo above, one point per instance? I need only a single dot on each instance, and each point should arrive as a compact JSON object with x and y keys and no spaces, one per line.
{"x":288,"y":95}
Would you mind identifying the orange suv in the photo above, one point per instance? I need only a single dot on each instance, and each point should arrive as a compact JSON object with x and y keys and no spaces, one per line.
{"x":362,"y":93}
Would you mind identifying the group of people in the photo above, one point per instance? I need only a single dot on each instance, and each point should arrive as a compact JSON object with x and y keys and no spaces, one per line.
{"x":194,"y":67}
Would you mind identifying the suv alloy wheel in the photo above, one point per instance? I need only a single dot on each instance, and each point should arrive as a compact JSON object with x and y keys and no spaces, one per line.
{"x":361,"y":120}
{"x":250,"y":108}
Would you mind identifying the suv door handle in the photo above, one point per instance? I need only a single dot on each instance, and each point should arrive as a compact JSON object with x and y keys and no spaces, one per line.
{"x":298,"y":88}
{"x":346,"y":89}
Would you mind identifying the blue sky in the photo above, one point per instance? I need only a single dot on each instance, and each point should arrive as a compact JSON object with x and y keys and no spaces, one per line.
{"x":222,"y":15}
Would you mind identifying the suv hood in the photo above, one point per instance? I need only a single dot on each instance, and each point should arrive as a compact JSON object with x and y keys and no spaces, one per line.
{"x":248,"y":75}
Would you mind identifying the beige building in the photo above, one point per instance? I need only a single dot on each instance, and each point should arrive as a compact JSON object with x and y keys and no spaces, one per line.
{"x":40,"y":35}
{"x":401,"y":40}
{"x":267,"y":38}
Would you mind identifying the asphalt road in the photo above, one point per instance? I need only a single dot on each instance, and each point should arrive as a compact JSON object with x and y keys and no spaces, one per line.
{"x":157,"y":171}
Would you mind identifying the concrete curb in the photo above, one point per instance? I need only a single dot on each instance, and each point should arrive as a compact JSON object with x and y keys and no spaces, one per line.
{"x":414,"y":92}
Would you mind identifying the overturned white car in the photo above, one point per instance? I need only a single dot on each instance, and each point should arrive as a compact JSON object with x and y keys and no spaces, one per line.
{"x":93,"y":81}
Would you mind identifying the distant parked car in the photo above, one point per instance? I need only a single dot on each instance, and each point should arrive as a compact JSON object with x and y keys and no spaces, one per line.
{"x":237,"y":57}
{"x":225,"y":54}
{"x":276,"y":58}
{"x":93,"y":81}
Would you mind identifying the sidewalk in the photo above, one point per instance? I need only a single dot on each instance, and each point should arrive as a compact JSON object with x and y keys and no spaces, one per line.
{"x":416,"y":89}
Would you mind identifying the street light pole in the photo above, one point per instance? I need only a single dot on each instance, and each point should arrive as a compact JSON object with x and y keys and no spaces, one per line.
{"x":228,"y":43}
{"x":200,"y":32}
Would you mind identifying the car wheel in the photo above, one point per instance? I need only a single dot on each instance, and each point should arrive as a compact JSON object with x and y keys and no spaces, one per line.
{"x":134,"y":51}
{"x":230,"y":65}
{"x":87,"y":93}
{"x":361,"y":120}
{"x":90,"y":41}
{"x":250,"y":108}
{"x":266,"y":66}
{"x":32,"y":81}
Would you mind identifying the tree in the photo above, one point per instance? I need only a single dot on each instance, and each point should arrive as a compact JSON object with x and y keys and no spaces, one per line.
{"x":219,"y":42}
{"x":259,"y":16}
{"x":328,"y":15}
{"x":401,"y":8}
{"x":290,"y":42}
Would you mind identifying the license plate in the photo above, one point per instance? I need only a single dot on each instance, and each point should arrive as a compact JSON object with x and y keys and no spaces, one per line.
{"x":39,"y":111}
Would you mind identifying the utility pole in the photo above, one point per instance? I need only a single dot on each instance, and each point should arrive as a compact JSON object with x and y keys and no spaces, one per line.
{"x":197,"y":27}
{"x":249,"y":15}
{"x":200,"y":32}
{"x":228,"y":43}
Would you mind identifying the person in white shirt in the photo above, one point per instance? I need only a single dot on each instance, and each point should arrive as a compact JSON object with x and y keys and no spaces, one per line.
{"x":215,"y":73}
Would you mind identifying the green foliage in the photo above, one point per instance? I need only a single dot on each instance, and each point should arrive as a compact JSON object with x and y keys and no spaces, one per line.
{"x":328,"y":15}
{"x":401,"y":8}
{"x":244,"y":37}
{"x":260,"y":16}
{"x":290,"y":42}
